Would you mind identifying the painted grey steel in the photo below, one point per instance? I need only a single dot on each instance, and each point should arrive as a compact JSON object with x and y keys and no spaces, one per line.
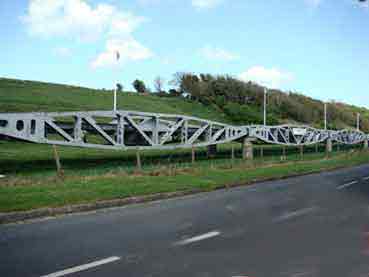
{"x":117,"y":130}
{"x":349,"y":136}
{"x":289,"y":134}
{"x":123,"y":130}
{"x":265,"y":106}
{"x":325,"y":116}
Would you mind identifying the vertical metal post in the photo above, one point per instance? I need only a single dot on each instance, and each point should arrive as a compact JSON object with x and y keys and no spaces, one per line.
{"x":265,"y":103}
{"x":115,"y":98}
{"x":117,"y":57}
{"x":155,"y":132}
{"x":325,"y":116}
{"x":78,"y":134}
{"x":184,"y":138}
{"x":193,"y":156}
{"x":120,"y":130}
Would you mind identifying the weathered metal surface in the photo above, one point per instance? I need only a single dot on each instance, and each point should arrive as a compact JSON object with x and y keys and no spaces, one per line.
{"x":130,"y":129}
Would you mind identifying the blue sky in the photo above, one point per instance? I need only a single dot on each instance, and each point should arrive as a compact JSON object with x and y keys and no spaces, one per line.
{"x":317,"y":47}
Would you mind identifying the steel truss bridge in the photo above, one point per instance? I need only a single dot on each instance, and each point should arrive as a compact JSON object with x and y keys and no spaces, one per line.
{"x":123,"y":130}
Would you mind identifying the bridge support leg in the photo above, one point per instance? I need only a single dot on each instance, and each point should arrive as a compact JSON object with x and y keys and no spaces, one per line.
{"x":247,"y":150}
{"x":329,"y":147}
{"x":212,"y":151}
{"x":366,"y":144}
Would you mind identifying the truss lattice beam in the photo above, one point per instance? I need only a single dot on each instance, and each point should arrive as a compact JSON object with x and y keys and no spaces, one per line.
{"x":132,"y":129}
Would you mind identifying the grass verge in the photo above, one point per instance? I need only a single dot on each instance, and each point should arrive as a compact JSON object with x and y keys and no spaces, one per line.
{"x":78,"y":189}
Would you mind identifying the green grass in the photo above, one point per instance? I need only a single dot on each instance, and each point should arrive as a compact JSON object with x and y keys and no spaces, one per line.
{"x":20,"y":192}
{"x":29,"y":96}
{"x":26,"y":160}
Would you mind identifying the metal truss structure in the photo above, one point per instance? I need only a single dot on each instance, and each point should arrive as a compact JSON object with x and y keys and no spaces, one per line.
{"x":289,"y":134}
{"x":138,"y":130}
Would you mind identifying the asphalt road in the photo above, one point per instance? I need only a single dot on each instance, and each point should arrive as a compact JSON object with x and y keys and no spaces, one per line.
{"x":314,"y":225}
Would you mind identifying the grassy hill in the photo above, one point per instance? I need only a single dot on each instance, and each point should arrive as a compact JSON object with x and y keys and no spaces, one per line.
{"x":30,"y":96}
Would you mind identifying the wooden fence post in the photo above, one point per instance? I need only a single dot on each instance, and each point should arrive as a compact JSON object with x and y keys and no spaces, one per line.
{"x":59,"y":168}
{"x":138,"y":160}
{"x":284,"y":157}
{"x":232,"y":154}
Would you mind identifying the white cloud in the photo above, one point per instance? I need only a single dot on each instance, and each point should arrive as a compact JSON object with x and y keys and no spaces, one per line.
{"x":129,"y":50}
{"x":206,"y":4}
{"x":77,"y":19}
{"x":217,"y":54}
{"x":273,"y":77}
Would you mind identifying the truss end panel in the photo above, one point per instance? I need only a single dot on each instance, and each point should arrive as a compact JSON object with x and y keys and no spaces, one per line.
{"x":29,"y":127}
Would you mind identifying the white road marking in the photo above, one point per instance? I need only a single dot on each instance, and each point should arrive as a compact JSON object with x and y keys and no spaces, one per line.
{"x":347,"y":185}
{"x":294,"y":214}
{"x":82,"y":267}
{"x":366,"y":178}
{"x":198,"y":238}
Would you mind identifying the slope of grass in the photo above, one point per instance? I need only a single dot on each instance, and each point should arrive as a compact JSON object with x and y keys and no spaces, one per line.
{"x":30,"y":96}
{"x":83,"y":189}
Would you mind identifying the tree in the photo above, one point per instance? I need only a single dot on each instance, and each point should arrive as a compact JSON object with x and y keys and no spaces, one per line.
{"x":119,"y":87}
{"x":139,"y":86}
{"x":188,"y":84}
{"x":159,"y":84}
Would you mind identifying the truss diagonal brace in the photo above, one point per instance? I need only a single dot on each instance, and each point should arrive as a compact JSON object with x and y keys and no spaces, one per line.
{"x":59,"y":130}
{"x":92,"y":122}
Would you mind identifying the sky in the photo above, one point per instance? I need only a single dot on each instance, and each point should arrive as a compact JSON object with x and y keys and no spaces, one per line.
{"x":316,"y":47}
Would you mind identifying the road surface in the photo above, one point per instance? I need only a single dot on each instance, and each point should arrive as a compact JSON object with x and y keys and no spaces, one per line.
{"x":314,"y":225}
